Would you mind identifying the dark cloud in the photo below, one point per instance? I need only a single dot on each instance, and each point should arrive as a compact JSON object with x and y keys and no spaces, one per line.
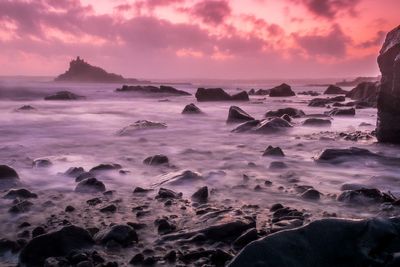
{"x":330,"y":8}
{"x":376,"y":41}
{"x":212,"y":11}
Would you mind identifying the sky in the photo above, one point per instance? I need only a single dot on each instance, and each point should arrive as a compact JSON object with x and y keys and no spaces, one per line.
{"x":190,"y":39}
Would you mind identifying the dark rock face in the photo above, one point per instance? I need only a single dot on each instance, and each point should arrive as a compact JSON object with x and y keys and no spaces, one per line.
{"x":162,"y":90}
{"x":156,"y":160}
{"x":237,"y":114}
{"x":335,"y":90}
{"x":351,"y":243}
{"x":191,"y":109}
{"x":342,"y":112}
{"x":122,"y":234}
{"x":292,"y":112}
{"x":388,"y":123}
{"x":365,"y":92}
{"x":317,"y":122}
{"x":263,"y":127}
{"x":63,"y":95}
{"x":218,"y":94}
{"x":90,"y":185}
{"x":55,"y":244}
{"x":273,"y":151}
{"x":283,"y":90}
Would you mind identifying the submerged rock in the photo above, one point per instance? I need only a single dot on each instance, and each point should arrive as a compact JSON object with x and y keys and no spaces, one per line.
{"x":365,"y":196}
{"x":201,"y":195}
{"x":122,"y":234}
{"x":41,"y":163}
{"x":191,"y":109}
{"x":21,"y":207}
{"x":8,"y":177}
{"x":273,"y":151}
{"x":63,"y":95}
{"x":322,"y":102}
{"x":388,"y":123}
{"x":311,"y":194}
{"x":140,"y":126}
{"x":263,"y":127}
{"x":237,"y":114}
{"x":90,"y":185}
{"x":283,"y":90}
{"x":55,"y":244}
{"x":19,"y":193}
{"x":26,"y":108}
{"x":342,"y":112}
{"x":292,"y":112}
{"x":369,"y":242}
{"x":317,"y":122}
{"x":365,"y":92}
{"x":164,"y":193}
{"x":74,"y":171}
{"x":334,"y":90}
{"x":149,"y":89}
{"x":337,"y":154}
{"x":218,"y":94}
{"x":156,"y":160}
{"x":179,"y":177}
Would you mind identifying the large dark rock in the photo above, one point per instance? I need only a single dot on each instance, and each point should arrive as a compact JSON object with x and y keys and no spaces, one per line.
{"x":328,"y":243}
{"x":63,"y":95}
{"x":337,"y":154}
{"x":19,"y":193}
{"x":273,"y":151}
{"x":237,"y":114}
{"x":292,"y":112}
{"x":156,"y":160}
{"x":317,"y":122}
{"x":55,"y":244}
{"x":8,"y":177}
{"x":263,"y":127}
{"x":218,"y":94}
{"x":122,"y":234}
{"x":365,"y":196}
{"x":322,"y":102}
{"x":335,"y":90}
{"x":191,"y":109}
{"x":201,"y":195}
{"x":282,"y":90}
{"x":149,"y":89}
{"x":365,"y":92}
{"x":90,"y":185}
{"x":388,"y":124}
{"x":341,"y":112}
{"x":105,"y":167}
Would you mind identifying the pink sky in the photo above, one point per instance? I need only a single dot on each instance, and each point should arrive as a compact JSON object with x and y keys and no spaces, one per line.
{"x":237,"y":39}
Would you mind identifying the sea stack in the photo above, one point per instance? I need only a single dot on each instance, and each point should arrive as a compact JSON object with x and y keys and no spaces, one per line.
{"x":388,"y":124}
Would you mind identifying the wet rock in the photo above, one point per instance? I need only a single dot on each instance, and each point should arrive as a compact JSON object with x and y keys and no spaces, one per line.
{"x":317,"y":122}
{"x":8,"y":176}
{"x":156,"y":160}
{"x":26,"y":108}
{"x":334,"y":90}
{"x":286,"y":224}
{"x":105,"y":167}
{"x":292,"y":112}
{"x":69,"y":208}
{"x":41,"y":163}
{"x":141,"y":125}
{"x":351,"y":243}
{"x":286,"y":117}
{"x":109,"y":209}
{"x":38,"y":231}
{"x":273,"y":151}
{"x":55,"y":244}
{"x":164,"y":193}
{"x":201,"y":195}
{"x":237,"y":114}
{"x":7,"y":245}
{"x":94,"y":201}
{"x":164,"y":226}
{"x":342,"y":112}
{"x":263,"y":127}
{"x":149,"y":89}
{"x":139,"y":190}
{"x":322,"y":102}
{"x":336,"y":155}
{"x":247,"y":237}
{"x":311,"y":194}
{"x":123,"y":235}
{"x":388,"y":126}
{"x":137,"y":259}
{"x":74,"y":171}
{"x":365,"y":196}
{"x":275,"y":207}
{"x":282,"y":90}
{"x":365,"y":92}
{"x":83,"y":176}
{"x":90,"y":185}
{"x":278,"y":165}
{"x":170,"y":256}
{"x":19,"y":193}
{"x":63,"y":95}
{"x":259,"y":92}
{"x":191,"y":109}
{"x":21,"y":207}
{"x":218,"y":94}
{"x":179,"y":177}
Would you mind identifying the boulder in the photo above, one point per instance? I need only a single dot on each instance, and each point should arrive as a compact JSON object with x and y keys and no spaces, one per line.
{"x":328,"y":243}
{"x":105,"y":167}
{"x":149,"y":89}
{"x":141,"y":125}
{"x":259,"y":92}
{"x":292,"y":112}
{"x":164,"y":193}
{"x":21,"y":207}
{"x":322,"y":102}
{"x":338,"y":155}
{"x":56,"y":244}
{"x":191,"y":109}
{"x":218,"y":94}
{"x":74,"y":171}
{"x":90,"y":185}
{"x":201,"y":195}
{"x":156,"y":160}
{"x":365,"y":196}
{"x":8,"y":177}
{"x":237,"y":114}
{"x":282,"y":90}
{"x":63,"y":95}
{"x":122,"y":234}
{"x":335,"y":90}
{"x":388,"y":123}
{"x":341,"y":112}
{"x":179,"y":178}
{"x":263,"y":126}
{"x":41,"y":163}
{"x":19,"y":193}
{"x":317,"y":122}
{"x":273,"y":151}
{"x":311,"y":194}
{"x":365,"y":92}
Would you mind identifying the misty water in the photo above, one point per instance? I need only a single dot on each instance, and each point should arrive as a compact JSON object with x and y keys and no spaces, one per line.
{"x":83,"y":133}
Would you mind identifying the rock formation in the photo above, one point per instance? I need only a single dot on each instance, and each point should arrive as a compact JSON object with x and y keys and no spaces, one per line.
{"x":388,"y":124}
{"x":365,"y":92}
{"x":218,"y":94}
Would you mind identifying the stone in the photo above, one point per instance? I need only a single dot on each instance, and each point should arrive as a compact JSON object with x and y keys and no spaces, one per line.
{"x":201,"y":195}
{"x":259,"y":92}
{"x":282,"y":90}
{"x":365,"y":196}
{"x":83,"y":176}
{"x":334,"y":90}
{"x":141,"y":125}
{"x":277,"y":165}
{"x":237,"y":114}
{"x":164,"y":226}
{"x":342,"y":112}
{"x":247,"y":237}
{"x":90,"y":185}
{"x":365,"y":92}
{"x":191,"y":109}
{"x":150,"y":89}
{"x":7,"y":172}
{"x":139,"y":190}
{"x":122,"y":234}
{"x":38,"y":231}
{"x":164,"y":193}
{"x":156,"y":160}
{"x":26,"y":108}
{"x":218,"y":94}
{"x":74,"y":171}
{"x":19,"y":193}
{"x":292,"y":112}
{"x":55,"y":244}
{"x":317,"y":122}
{"x":264,"y":126}
{"x":179,"y":178}
{"x":41,"y":163}
{"x":311,"y":194}
{"x":109,"y":209}
{"x":105,"y":167}
{"x":21,"y":207}
{"x":388,"y":126}
{"x":63,"y":95}
{"x":338,"y":155}
{"x":273,"y":151}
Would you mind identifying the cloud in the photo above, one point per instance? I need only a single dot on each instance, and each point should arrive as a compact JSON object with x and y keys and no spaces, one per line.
{"x":212,"y":11}
{"x":329,"y":8}
{"x":377,"y":40}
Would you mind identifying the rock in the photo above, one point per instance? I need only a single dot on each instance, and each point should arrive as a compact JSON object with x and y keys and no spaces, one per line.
{"x":218,"y":94}
{"x":365,"y":196}
{"x":63,"y":95}
{"x":69,"y":208}
{"x":41,"y":163}
{"x":342,"y":112}
{"x":278,"y":165}
{"x":311,"y":194}
{"x":388,"y":126}
{"x":237,"y":114}
{"x":282,"y":90}
{"x":191,"y":109}
{"x":311,"y":93}
{"x":8,"y":173}
{"x":317,"y":122}
{"x":74,"y":171}
{"x":141,"y":125}
{"x":55,"y":244}
{"x":137,"y":259}
{"x":201,"y":195}
{"x":7,"y":245}
{"x":275,"y":207}
{"x":286,"y":117}
{"x":19,"y":193}
{"x":139,"y":190}
{"x":109,"y":209}
{"x":335,"y":90}
{"x":351,"y":243}
{"x":259,"y":92}
{"x":164,"y":193}
{"x":26,"y":108}
{"x":358,"y":80}
{"x":149,"y":89}
{"x":164,"y":226}
{"x":90,"y":185}
{"x":156,"y":160}
{"x":292,"y":112}
{"x":179,"y":178}
{"x":338,"y":155}
{"x":38,"y":231}
{"x":21,"y":207}
{"x":263,"y":127}
{"x":83,"y":176}
{"x":273,"y":151}
{"x":365,"y":92}
{"x":170,"y":256}
{"x":105,"y":167}
{"x":247,"y":237}
{"x":122,"y":234}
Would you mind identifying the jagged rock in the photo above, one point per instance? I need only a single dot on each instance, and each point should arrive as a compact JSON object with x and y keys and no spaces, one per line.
{"x":218,"y":94}
{"x":41,"y":163}
{"x":292,"y":112}
{"x":351,"y":243}
{"x":237,"y":114}
{"x":341,"y":112}
{"x":282,"y":90}
{"x":263,"y":127}
{"x":90,"y":185}
{"x":335,"y":90}
{"x":317,"y":122}
{"x":140,"y":126}
{"x":149,"y":89}
{"x":201,"y":195}
{"x":55,"y":244}
{"x":365,"y":92}
{"x":191,"y":109}
{"x":25,"y":108}
{"x":63,"y":95}
{"x":164,"y":193}
{"x":122,"y":234}
{"x":388,"y":123}
{"x":19,"y":193}
{"x":164,"y":226}
{"x":156,"y":160}
{"x":365,"y":196}
{"x":273,"y":151}
{"x":105,"y":167}
{"x":357,"y":81}
{"x":109,"y":209}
